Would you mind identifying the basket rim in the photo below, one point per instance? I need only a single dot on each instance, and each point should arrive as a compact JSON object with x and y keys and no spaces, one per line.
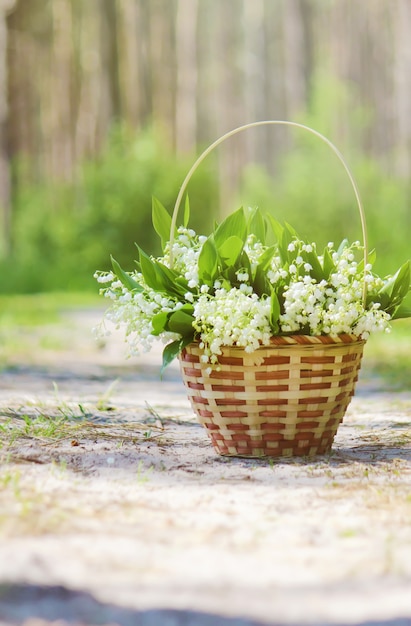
{"x":298,"y":340}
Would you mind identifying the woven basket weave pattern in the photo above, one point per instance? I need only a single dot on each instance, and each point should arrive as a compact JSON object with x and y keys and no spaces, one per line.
{"x":286,"y":399}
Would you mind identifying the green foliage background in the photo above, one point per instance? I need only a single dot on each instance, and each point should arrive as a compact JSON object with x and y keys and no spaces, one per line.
{"x":310,"y":189}
{"x":313,"y":195}
{"x":62,"y":233}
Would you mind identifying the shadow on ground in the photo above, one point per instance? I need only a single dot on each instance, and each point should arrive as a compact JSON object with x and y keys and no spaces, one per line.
{"x":40,"y":605}
{"x":19,"y":604}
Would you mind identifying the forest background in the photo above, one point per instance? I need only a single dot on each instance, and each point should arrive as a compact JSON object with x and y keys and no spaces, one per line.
{"x":104,"y":103}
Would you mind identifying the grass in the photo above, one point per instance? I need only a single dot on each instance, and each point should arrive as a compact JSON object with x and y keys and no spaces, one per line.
{"x":39,"y":309}
{"x":389,"y":356}
{"x":48,"y":424}
{"x":57,"y":425}
{"x":31,"y":324}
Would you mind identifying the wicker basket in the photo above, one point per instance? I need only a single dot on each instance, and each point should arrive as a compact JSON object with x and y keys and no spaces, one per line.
{"x":290,"y":404}
{"x":286,"y":399}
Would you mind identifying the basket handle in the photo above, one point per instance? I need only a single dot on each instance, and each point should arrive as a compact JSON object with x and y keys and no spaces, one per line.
{"x":239,"y":129}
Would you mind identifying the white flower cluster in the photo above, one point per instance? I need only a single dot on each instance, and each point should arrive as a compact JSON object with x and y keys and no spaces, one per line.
{"x":186,"y":250}
{"x":335,"y":306}
{"x":254,"y":250}
{"x":227,"y":314}
{"x":231,"y":318}
{"x":134,"y":312}
{"x":319,"y":310}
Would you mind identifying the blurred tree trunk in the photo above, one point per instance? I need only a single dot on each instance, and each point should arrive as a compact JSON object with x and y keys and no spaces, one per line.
{"x":5,"y":185}
{"x":161,"y":68}
{"x":402,"y":89}
{"x":255,"y":76}
{"x":131,"y":53}
{"x":110,"y":61}
{"x":58,"y":121}
{"x":297,"y":55}
{"x":186,"y":75}
{"x":87,"y":92}
{"x":229,"y":100}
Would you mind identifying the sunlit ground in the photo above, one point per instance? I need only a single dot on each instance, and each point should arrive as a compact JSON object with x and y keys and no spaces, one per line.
{"x":111,"y":486}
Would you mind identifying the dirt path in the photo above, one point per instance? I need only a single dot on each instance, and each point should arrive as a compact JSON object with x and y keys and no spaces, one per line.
{"x":125,"y":515}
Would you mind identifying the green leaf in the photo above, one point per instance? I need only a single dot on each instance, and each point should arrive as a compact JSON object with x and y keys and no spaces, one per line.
{"x":291,"y":230}
{"x":182,"y":282}
{"x":260,"y":282}
{"x":267,"y":255}
{"x":275,"y":312}
{"x":286,"y":239}
{"x":181,"y":322}
{"x":160,"y":277}
{"x":234,"y":225}
{"x":382,"y":298}
{"x":159,"y":323}
{"x":342,"y":246}
{"x":372,"y":256}
{"x":328,"y":263}
{"x":261,"y":285}
{"x":257,"y":225}
{"x":172,"y":350}
{"x":398,"y":286}
{"x":125,"y":278}
{"x":370,"y":260}
{"x":161,"y":221}
{"x":188,"y":308}
{"x":186,"y":217}
{"x":150,"y":273}
{"x":317,"y":271}
{"x":276,"y":228}
{"x":402,"y":282}
{"x":230,"y":250}
{"x":394,"y":291}
{"x":208,"y":262}
{"x":174,"y":284}
{"x":401,"y":312}
{"x":244,"y":262}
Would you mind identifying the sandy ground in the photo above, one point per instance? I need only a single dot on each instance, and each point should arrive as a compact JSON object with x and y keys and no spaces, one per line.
{"x":131,"y":517}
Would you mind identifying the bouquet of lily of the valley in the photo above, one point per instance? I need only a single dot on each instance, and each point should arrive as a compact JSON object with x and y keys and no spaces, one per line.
{"x":249,"y":280}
